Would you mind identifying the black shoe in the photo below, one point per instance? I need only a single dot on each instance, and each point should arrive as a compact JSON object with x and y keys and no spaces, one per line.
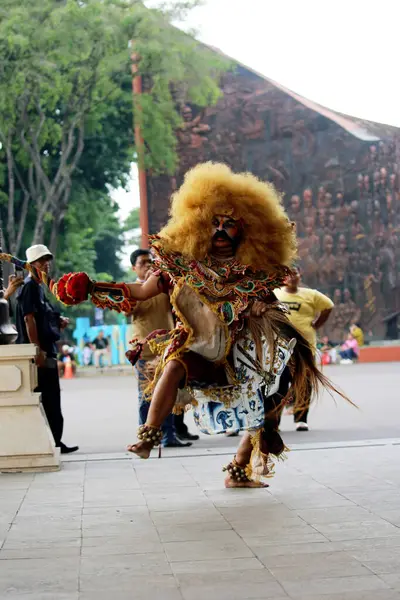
{"x":67,"y":449}
{"x":177,"y":444}
{"x":232,"y":433}
{"x":188,"y":436}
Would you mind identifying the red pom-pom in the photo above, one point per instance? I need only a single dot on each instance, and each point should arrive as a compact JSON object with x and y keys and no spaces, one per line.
{"x":73,"y":288}
{"x":78,"y":287}
{"x":59,"y":288}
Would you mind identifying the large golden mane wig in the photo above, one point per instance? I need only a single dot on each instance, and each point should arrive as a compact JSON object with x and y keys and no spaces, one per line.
{"x":210,"y":188}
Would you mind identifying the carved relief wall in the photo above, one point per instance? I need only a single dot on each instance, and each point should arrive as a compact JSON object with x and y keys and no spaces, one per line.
{"x":342,"y":192}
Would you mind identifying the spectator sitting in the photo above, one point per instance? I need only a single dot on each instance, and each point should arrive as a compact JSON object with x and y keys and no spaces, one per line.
{"x":87,"y":354}
{"x":328,"y":351}
{"x":349,"y":350}
{"x":357,"y":334}
{"x":65,"y":355}
{"x":100,"y":344}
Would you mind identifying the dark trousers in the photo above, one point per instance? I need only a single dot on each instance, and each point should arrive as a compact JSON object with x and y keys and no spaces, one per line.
{"x":49,"y":387}
{"x":301,"y":416}
{"x":273,"y":404}
{"x":349,"y":353}
{"x":168,"y":427}
{"x":180,"y":426}
{"x":284,"y":384}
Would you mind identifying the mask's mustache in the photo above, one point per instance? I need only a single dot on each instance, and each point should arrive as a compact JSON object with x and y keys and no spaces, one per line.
{"x":221,"y":235}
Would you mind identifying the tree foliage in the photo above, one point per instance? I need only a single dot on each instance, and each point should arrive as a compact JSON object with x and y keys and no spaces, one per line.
{"x":132,"y":221}
{"x":66,"y":114}
{"x":132,"y":228}
{"x":90,"y":239}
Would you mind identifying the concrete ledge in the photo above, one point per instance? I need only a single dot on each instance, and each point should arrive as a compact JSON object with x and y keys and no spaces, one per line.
{"x":26,"y":442}
{"x":373,"y":354}
{"x":114,"y":371}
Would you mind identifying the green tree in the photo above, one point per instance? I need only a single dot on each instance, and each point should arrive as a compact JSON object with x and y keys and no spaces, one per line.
{"x":63,"y":74}
{"x":91,"y":237}
{"x":132,"y":228}
{"x":132,"y":221}
{"x":105,"y":162}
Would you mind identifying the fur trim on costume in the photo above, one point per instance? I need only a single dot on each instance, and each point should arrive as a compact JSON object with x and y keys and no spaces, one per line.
{"x":211,"y":188}
{"x":306,"y":375}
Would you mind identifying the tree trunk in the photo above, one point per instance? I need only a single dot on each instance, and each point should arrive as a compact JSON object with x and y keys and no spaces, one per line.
{"x":22,"y":221}
{"x":55,"y":228}
{"x":59,"y":218}
{"x":11,"y":198}
{"x":38,"y":233}
{"x":57,"y":192}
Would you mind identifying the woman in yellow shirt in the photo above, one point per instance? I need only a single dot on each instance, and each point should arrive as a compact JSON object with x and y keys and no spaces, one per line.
{"x":357,"y":334}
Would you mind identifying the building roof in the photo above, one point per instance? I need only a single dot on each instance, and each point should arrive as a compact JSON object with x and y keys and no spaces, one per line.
{"x":368,"y":131}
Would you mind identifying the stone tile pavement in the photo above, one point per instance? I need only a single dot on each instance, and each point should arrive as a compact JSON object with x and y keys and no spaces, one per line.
{"x":328,"y":528}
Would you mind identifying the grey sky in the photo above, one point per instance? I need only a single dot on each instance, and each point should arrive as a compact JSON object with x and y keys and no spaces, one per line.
{"x":342,"y":54}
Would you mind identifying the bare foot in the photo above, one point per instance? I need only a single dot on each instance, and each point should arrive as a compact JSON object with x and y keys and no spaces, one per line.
{"x":141,"y":449}
{"x":231,"y":483}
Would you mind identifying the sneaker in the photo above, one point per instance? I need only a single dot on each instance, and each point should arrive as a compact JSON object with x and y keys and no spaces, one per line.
{"x":346,"y":361}
{"x":301,"y":426}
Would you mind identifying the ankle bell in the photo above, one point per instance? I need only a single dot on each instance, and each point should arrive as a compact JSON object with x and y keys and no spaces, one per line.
{"x":149,"y":434}
{"x":236,"y":472}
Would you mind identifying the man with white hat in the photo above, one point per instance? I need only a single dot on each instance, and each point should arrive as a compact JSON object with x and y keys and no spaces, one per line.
{"x":40,"y":324}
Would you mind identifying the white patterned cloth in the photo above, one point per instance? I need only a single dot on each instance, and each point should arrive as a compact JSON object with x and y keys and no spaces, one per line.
{"x":241,"y":406}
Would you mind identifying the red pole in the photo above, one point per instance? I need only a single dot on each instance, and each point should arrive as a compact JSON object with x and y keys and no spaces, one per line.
{"x":144,"y":209}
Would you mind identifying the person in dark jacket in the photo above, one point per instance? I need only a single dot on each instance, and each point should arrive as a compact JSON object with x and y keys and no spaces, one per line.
{"x":40,"y":324}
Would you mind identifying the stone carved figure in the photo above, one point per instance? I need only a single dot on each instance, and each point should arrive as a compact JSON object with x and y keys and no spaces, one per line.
{"x":192,"y":132}
{"x":327,"y":263}
{"x":337,"y":326}
{"x":342,"y":255}
{"x":351,"y":312}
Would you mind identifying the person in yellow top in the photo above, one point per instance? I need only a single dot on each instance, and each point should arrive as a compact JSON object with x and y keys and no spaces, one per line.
{"x":357,"y":334}
{"x":309,"y":310}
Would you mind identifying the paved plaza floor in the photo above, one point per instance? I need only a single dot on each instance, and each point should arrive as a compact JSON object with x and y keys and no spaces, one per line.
{"x":328,"y":528}
{"x":109,"y":527}
{"x":101,"y":413}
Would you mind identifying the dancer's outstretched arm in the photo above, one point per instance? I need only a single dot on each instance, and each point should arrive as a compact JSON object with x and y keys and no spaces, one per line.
{"x":74,"y":288}
{"x":149,"y":289}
